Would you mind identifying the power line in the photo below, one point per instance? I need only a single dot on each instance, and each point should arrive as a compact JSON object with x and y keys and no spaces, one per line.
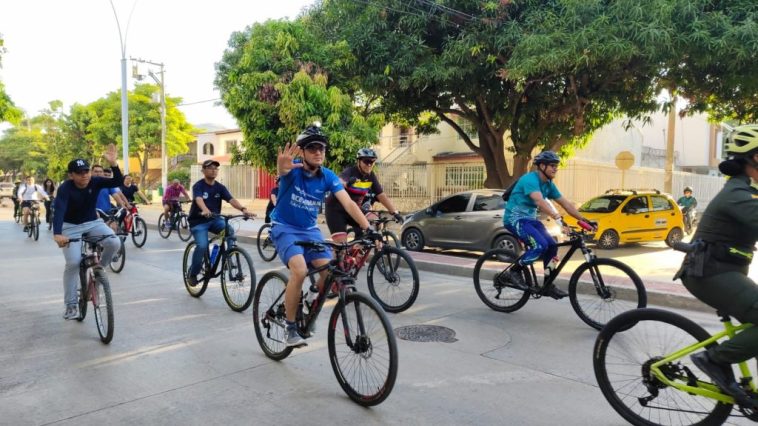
{"x":198,"y":102}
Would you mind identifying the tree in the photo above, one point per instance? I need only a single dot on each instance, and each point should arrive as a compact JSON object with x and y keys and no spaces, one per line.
{"x":8,"y":110}
{"x":273,"y":79}
{"x":528,"y":74}
{"x":23,"y":150}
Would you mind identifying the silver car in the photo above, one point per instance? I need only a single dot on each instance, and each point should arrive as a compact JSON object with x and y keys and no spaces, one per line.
{"x":471,"y":220}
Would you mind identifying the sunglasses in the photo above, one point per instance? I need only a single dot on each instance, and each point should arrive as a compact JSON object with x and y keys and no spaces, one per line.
{"x":368,"y":162}
{"x":555,"y":166}
{"x":315,"y":148}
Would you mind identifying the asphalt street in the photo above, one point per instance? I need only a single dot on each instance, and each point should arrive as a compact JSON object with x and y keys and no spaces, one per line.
{"x":176,"y":359}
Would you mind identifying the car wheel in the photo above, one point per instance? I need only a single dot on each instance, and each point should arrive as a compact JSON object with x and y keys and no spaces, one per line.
{"x":508,"y":242}
{"x":413,"y":240}
{"x":674,"y":236}
{"x":608,"y":240}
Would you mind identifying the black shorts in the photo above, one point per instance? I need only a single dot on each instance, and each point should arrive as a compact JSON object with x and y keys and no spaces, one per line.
{"x":28,"y":203}
{"x":338,"y":220}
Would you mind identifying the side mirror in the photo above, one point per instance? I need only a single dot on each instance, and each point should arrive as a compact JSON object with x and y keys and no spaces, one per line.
{"x":429,"y":211}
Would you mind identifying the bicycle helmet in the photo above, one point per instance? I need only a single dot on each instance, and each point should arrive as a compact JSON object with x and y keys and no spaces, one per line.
{"x":312,"y":134}
{"x":743,"y":140}
{"x":687,"y":189}
{"x":547,"y":157}
{"x":366,"y":153}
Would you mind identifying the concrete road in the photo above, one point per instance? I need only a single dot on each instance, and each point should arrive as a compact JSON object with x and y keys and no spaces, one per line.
{"x":180,"y":360}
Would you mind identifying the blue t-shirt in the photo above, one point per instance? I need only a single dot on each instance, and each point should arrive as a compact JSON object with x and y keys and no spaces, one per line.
{"x":104,"y":199}
{"x":520,"y":205}
{"x":300,"y":196}
{"x":212,"y":196}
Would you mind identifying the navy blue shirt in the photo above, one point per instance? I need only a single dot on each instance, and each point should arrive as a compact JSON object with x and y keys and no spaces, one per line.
{"x":129,"y":191}
{"x":77,"y":205}
{"x":300,"y":196}
{"x":212,"y":196}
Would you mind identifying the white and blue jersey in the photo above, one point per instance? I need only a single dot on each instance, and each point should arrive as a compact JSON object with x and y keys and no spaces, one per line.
{"x":520,"y":205}
{"x":301,"y":195}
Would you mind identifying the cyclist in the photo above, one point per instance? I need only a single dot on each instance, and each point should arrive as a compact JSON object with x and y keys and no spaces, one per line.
{"x":206,"y":200}
{"x":49,"y":187}
{"x":359,"y":181}
{"x":103,"y":206}
{"x":717,"y":273}
{"x":74,"y":214}
{"x":272,"y":200}
{"x":530,"y":192}
{"x":302,"y":186}
{"x":14,"y":198}
{"x":129,"y":189}
{"x":29,"y":193}
{"x":171,"y":197}
{"x":687,"y":203}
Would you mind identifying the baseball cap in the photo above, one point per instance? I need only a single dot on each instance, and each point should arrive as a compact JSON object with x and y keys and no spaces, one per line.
{"x":78,"y":165}
{"x":208,"y":163}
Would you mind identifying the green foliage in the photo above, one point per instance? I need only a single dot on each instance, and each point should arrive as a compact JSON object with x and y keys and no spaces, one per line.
{"x":8,"y":110}
{"x":182,"y":174}
{"x":275,"y":80}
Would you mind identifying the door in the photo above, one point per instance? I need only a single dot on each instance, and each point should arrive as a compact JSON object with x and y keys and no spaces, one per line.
{"x":664,"y":215}
{"x":445,"y":225}
{"x":636,"y":219}
{"x":485,"y":216}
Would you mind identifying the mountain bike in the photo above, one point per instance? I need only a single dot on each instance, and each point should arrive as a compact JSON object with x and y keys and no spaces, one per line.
{"x":642,"y":365}
{"x":177,"y":220}
{"x":379,"y":219}
{"x":94,"y":286}
{"x":119,"y":258}
{"x":361,"y":342}
{"x":236,"y":270}
{"x":594,"y":288}
{"x":133,"y":225}
{"x":33,"y":227}
{"x":265,"y":243}
{"x":17,"y":212}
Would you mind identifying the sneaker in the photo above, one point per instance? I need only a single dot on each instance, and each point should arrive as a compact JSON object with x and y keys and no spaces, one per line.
{"x":293,"y":338}
{"x":556,"y":293}
{"x":26,"y":228}
{"x":723,"y":376}
{"x":72,"y":313}
{"x":192,"y":280}
{"x":515,"y":279}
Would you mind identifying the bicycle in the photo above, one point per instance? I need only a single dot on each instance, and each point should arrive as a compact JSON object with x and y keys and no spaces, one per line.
{"x":388,"y":237}
{"x":593,"y":277}
{"x":119,"y":258}
{"x":265,"y":243}
{"x":177,"y":220}
{"x":17,"y":215}
{"x":94,"y":286}
{"x":33,"y":227}
{"x":237,"y":281}
{"x":133,"y":225}
{"x":361,"y":342}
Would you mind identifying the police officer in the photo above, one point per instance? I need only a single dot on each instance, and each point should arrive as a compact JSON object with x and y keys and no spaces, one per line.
{"x":717,"y":272}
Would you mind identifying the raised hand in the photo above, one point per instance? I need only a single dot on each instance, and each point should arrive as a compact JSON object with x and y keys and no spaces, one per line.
{"x":110,"y":154}
{"x":285,"y":158}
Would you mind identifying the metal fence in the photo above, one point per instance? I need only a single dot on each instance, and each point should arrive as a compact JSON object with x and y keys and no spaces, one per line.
{"x":239,"y":180}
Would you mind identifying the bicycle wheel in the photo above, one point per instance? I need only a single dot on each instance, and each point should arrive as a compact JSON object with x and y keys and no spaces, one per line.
{"x":139,"y":231}
{"x":237,"y":279}
{"x":391,"y":239}
{"x":362,"y":349}
{"x":266,"y":247}
{"x":81,"y":297}
{"x":491,"y":284}
{"x":102,"y":305}
{"x":625,"y":349}
{"x":17,"y":215}
{"x":119,"y":259}
{"x":183,"y":228}
{"x":268,"y":315}
{"x":393,"y":279}
{"x":202,"y":280}
{"x":603,"y":289}
{"x":35,"y":227}
{"x":164,"y":226}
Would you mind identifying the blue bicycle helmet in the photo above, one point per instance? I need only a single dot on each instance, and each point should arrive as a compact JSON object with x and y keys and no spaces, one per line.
{"x":547,"y":157}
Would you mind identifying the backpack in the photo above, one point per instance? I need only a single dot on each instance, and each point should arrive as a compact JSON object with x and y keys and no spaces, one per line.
{"x":509,"y":190}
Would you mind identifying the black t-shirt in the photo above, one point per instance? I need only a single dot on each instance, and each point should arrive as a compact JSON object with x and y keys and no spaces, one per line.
{"x":212,"y":196}
{"x":129,"y":191}
{"x":77,"y":205}
{"x":357,"y":186}
{"x":270,"y":206}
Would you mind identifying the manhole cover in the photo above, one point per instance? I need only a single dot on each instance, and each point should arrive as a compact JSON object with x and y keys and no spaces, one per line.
{"x":426,"y":333}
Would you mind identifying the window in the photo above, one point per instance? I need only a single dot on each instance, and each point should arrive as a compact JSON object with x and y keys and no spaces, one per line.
{"x":661,"y":203}
{"x":230,"y":144}
{"x":485,"y":203}
{"x":636,"y":205}
{"x":454,"y":204}
{"x":208,"y":148}
{"x":402,"y":139}
{"x":604,"y":204}
{"x":466,"y":176}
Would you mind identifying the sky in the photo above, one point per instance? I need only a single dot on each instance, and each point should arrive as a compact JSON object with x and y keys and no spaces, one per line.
{"x":70,"y":50}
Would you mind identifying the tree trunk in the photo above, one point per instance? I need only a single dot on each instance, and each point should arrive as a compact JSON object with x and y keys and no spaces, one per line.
{"x":493,"y":155}
{"x":520,"y":164}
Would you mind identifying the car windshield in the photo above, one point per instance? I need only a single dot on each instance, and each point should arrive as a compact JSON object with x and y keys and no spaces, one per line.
{"x":604,"y":204}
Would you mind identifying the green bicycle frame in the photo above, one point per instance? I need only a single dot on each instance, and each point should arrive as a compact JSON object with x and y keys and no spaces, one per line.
{"x":705,"y":389}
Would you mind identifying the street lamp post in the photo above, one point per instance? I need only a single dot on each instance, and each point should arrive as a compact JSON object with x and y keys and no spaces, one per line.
{"x":161,"y":83}
{"x":124,"y":93}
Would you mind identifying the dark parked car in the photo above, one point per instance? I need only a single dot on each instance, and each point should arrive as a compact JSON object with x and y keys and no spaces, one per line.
{"x":471,"y":220}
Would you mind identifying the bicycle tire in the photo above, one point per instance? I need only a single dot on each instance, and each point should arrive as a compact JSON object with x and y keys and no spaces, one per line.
{"x":625,"y":331}
{"x":391,"y":239}
{"x":35,"y":227}
{"x":164,"y":229}
{"x":102,"y":297}
{"x":17,"y":215}
{"x":394,"y":295}
{"x":240,"y":277}
{"x":139,"y":232}
{"x":597,"y":309}
{"x":487,"y":283}
{"x":371,"y":348}
{"x":268,"y":315}
{"x":183,"y":228}
{"x":266,"y":248}
{"x":82,"y":298}
{"x":117,"y":263}
{"x":202,"y":282}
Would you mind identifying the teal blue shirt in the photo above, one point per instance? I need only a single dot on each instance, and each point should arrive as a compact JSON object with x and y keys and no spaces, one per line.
{"x":520,"y":205}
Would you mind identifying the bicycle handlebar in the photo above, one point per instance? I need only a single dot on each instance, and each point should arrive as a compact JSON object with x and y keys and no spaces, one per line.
{"x":92,"y":238}
{"x":322,"y":245}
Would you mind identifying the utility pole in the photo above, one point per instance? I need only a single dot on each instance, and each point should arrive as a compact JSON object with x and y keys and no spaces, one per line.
{"x":668,"y":178}
{"x":124,"y":94}
{"x":161,"y":83}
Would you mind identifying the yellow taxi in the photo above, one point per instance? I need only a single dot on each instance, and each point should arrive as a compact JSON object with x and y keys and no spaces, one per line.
{"x":626,"y":216}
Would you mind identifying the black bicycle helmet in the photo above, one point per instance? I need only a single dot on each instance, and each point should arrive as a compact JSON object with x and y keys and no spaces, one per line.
{"x":312,"y":134}
{"x":366,"y":153}
{"x":547,"y":157}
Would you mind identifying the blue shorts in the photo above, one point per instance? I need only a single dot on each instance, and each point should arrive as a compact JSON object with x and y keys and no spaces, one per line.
{"x":284,"y":237}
